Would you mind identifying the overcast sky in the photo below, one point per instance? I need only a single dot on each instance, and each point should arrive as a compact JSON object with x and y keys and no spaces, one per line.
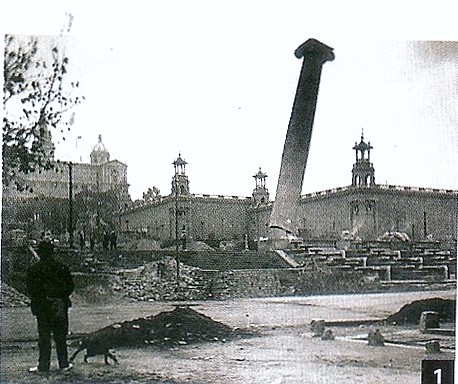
{"x":216,"y":82}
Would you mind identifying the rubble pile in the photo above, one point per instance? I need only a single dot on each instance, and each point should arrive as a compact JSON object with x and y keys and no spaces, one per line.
{"x":199,"y":246}
{"x":184,"y":325}
{"x":10,"y":297}
{"x":157,"y":281}
{"x":181,"y":326}
{"x":411,"y":313}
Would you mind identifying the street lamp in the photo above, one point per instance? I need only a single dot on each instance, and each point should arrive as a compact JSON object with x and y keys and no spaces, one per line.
{"x":70,"y":203}
{"x":76,"y":146}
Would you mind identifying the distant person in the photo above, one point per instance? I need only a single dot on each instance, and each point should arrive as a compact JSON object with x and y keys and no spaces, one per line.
{"x":50,"y":284}
{"x":106,"y":240}
{"x":183,"y":241}
{"x":82,"y":240}
{"x":113,"y":240}
{"x":92,"y":242}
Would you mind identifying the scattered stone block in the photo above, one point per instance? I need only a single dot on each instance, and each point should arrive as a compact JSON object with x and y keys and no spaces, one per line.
{"x":433,"y":347}
{"x":375,"y":338}
{"x":317,"y":327}
{"x":328,"y":335}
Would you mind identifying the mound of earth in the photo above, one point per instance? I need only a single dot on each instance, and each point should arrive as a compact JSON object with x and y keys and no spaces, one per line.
{"x":410,"y":313}
{"x":181,"y":326}
{"x":184,"y":324}
{"x":199,"y":246}
{"x":10,"y":297}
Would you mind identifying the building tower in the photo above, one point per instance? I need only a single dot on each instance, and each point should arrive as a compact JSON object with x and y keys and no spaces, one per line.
{"x":179,"y":214}
{"x":99,"y":154}
{"x":260,"y":210}
{"x":363,"y":169}
{"x":47,"y":145}
{"x":180,"y":181}
{"x":260,"y":193}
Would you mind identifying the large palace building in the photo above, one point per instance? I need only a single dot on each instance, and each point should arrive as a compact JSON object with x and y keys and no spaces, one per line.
{"x":45,"y":201}
{"x":363,"y":210}
{"x":100,"y":175}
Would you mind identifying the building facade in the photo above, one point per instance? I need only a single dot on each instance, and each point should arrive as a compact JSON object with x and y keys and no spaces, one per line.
{"x":48,"y":191}
{"x":100,"y":175}
{"x":198,"y":217}
{"x":367,"y":210}
{"x":362,"y":209}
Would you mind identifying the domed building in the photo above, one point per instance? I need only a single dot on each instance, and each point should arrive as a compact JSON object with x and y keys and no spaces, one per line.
{"x":99,"y":154}
{"x":100,"y":176}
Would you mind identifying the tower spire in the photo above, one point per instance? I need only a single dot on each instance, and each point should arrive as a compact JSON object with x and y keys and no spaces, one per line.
{"x":260,"y":192}
{"x":180,"y":181}
{"x":363,"y":169}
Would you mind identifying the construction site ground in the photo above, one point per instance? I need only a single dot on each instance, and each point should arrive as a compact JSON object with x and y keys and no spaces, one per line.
{"x":282,"y":351}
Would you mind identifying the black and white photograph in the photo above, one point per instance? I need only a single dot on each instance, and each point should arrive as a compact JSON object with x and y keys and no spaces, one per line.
{"x":229,"y":192}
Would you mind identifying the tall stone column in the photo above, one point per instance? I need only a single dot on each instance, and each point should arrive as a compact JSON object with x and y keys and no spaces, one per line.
{"x":284,"y":216}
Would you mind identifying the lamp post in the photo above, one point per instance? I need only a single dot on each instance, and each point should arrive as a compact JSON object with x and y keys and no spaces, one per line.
{"x":76,"y":145}
{"x":177,"y":247}
{"x":70,"y":204}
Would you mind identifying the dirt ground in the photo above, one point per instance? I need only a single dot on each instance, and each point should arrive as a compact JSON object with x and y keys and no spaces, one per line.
{"x":284,"y":350}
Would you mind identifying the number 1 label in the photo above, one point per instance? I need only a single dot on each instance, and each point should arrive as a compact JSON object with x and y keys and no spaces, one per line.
{"x":437,"y":371}
{"x":438,"y":374}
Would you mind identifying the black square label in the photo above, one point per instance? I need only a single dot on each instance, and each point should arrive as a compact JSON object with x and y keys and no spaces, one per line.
{"x":437,"y":372}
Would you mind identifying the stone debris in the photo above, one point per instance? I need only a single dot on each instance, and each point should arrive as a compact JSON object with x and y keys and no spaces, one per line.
{"x":328,"y":335}
{"x":10,"y":297}
{"x":317,"y":327}
{"x":375,"y":338}
{"x":157,"y":281}
{"x":433,"y":346}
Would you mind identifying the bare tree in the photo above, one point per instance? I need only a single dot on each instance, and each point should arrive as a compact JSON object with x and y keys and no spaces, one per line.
{"x":35,"y":99}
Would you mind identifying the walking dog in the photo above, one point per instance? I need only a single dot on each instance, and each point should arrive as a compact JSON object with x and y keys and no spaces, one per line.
{"x":98,"y":343}
{"x":129,"y":333}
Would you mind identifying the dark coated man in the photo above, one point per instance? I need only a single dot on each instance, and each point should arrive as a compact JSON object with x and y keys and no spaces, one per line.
{"x":50,"y":284}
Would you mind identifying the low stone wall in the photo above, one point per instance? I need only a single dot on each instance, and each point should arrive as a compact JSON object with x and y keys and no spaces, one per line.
{"x":157,"y":282}
{"x":284,"y":282}
{"x":246,"y":283}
